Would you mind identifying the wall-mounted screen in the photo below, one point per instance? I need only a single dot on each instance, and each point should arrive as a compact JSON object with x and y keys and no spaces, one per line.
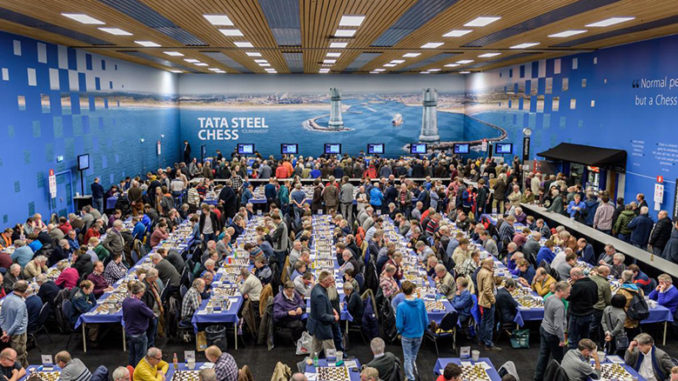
{"x":83,"y":162}
{"x":289,"y":149}
{"x":418,"y":148}
{"x":503,"y":148}
{"x":375,"y":149}
{"x":461,"y":148}
{"x":245,"y":149}
{"x":332,"y":148}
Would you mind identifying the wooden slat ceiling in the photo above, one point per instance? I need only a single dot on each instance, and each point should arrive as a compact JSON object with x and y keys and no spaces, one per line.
{"x":318,"y":20}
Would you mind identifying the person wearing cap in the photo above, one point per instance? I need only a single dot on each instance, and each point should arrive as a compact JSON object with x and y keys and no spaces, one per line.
{"x":288,"y":309}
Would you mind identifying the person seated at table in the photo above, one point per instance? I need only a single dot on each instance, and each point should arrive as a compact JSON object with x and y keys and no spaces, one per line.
{"x":444,"y":281}
{"x":288,"y":309}
{"x":525,"y":272}
{"x":520,"y":238}
{"x":563,"y":267}
{"x":151,"y":367}
{"x":462,"y":301}
{"x":369,"y":374}
{"x":396,"y":261}
{"x":10,"y":368}
{"x":82,"y":261}
{"x":208,"y":278}
{"x":452,"y":372}
{"x":640,"y":278}
{"x":93,"y":231}
{"x":461,"y":253}
{"x":304,"y":284}
{"x":349,"y":277}
{"x":386,"y":363}
{"x":83,"y":299}
{"x":97,"y":278}
{"x":349,"y":262}
{"x":513,"y":257}
{"x":650,"y":362}
{"x":35,"y":267}
{"x":431,"y":263}
{"x":577,"y":364}
{"x":299,"y":376}
{"x":542,"y":281}
{"x":665,"y":294}
{"x":546,"y":253}
{"x":300,"y":268}
{"x":115,"y":269}
{"x":470,"y":265}
{"x":507,"y":307}
{"x":262,"y":270}
{"x":606,"y":257}
{"x":618,"y":265}
{"x":423,"y":251}
{"x":585,"y":252}
{"x":250,"y":287}
{"x":191,"y":301}
{"x":207,"y":374}
{"x":354,"y":304}
{"x":387,"y":283}
{"x":67,"y":279}
{"x":72,"y":369}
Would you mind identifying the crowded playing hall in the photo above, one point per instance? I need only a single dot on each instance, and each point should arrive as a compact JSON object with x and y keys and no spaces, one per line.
{"x":339,"y":190}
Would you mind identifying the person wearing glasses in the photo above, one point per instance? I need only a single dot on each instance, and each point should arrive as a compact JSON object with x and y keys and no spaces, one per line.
{"x":9,"y":367}
{"x":151,"y":367}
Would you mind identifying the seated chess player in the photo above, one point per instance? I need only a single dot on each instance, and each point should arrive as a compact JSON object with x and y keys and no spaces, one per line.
{"x":151,"y":367}
{"x":288,"y":309}
{"x":386,"y":363}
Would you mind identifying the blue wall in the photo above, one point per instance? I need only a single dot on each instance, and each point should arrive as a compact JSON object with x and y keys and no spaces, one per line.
{"x":600,"y":103}
{"x":37,"y":83}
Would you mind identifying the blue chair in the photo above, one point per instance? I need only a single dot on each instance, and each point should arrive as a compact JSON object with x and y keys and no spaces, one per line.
{"x":446,"y":328}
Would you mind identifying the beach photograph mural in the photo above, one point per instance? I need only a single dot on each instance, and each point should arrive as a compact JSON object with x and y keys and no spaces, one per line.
{"x":313,"y":110}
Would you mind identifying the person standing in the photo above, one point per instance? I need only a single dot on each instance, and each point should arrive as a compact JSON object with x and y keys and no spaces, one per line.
{"x":346,"y":199}
{"x":661,"y":233}
{"x":187,"y":152}
{"x":583,"y":296}
{"x":98,"y":192}
{"x":411,"y":322}
{"x":14,"y":321}
{"x":599,"y":275}
{"x":136,"y":316}
{"x":322,"y":316}
{"x":486,"y":302}
{"x":552,"y":329}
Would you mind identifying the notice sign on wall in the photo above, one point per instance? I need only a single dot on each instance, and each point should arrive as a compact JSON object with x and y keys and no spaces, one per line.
{"x":52,"y":184}
{"x":224,"y":128}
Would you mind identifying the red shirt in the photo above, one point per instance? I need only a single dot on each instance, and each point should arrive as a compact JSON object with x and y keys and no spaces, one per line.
{"x":91,"y":232}
{"x":65,"y":227}
{"x":281,"y":172}
{"x":68,"y":278}
{"x":5,"y":260}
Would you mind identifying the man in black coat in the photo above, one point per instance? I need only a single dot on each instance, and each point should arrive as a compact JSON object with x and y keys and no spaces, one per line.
{"x":227,"y":198}
{"x":661,"y":233}
{"x":507,"y":307}
{"x":322,"y":316}
{"x":187,"y":152}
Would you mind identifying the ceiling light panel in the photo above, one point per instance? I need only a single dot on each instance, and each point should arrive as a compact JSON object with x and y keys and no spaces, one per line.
{"x":344,"y":33}
{"x":397,"y":61}
{"x":115,"y":31}
{"x":333,"y":54}
{"x":431,"y":45}
{"x":218,"y":20}
{"x":83,"y":18}
{"x":482,"y":21}
{"x":148,"y":44}
{"x":174,"y":54}
{"x":253,"y":54}
{"x":411,"y":55}
{"x":525,"y":45}
{"x":457,"y":32}
{"x":488,"y":55}
{"x":338,"y":45}
{"x":610,"y":21}
{"x":231,"y":32}
{"x":243,"y":44}
{"x":568,"y":33}
{"x":347,"y":20}
{"x":191,"y":60}
{"x":390,"y":65}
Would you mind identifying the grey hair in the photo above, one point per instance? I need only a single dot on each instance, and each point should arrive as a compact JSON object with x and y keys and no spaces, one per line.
{"x":377,"y":345}
{"x":153,"y":352}
{"x":626,"y":276}
{"x":119,"y":373}
{"x":644,"y":339}
{"x":207,"y":375}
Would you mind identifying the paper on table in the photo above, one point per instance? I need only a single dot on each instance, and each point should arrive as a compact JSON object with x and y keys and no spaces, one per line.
{"x":311,"y":376}
{"x":615,"y":359}
{"x":351,"y":364}
{"x":466,"y":363}
{"x":485,"y":365}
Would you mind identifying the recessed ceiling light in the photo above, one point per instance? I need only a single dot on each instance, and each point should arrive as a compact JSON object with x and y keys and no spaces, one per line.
{"x":253,"y":54}
{"x":424,"y":72}
{"x":231,"y":32}
{"x":220,"y":72}
{"x":265,"y":64}
{"x":329,"y":61}
{"x":487,"y":55}
{"x":464,"y":62}
{"x":338,"y":45}
{"x":610,"y":21}
{"x":218,"y":20}
{"x":568,"y":33}
{"x":379,"y":69}
{"x":324,"y":71}
{"x":525,"y":45}
{"x":431,"y":45}
{"x":375,"y":72}
{"x":115,"y":31}
{"x":200,"y":64}
{"x":457,"y":32}
{"x":465,"y":72}
{"x":344,"y":32}
{"x":390,"y":65}
{"x":191,"y":60}
{"x":410,"y":55}
{"x":148,"y":44}
{"x":333,"y":54}
{"x":174,"y":54}
{"x":272,"y":71}
{"x":243,"y":44}
{"x":482,"y":21}
{"x":351,"y":20}
{"x":175,"y":71}
{"x":452,"y":65}
{"x":432,"y":70}
{"x":83,"y":18}
{"x":214,"y":69}
{"x":261,"y":60}
{"x":397,"y":61}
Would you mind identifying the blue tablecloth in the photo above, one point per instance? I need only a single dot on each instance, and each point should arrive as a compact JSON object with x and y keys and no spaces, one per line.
{"x":658,"y":314}
{"x":629,"y":369}
{"x":228,"y":316}
{"x":443,"y":361}
{"x":39,"y":368}
{"x":437,"y":316}
{"x":110,"y":202}
{"x":182,"y":366}
{"x":353,"y":374}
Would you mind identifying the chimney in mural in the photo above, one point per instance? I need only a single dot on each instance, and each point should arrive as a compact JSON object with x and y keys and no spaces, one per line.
{"x":335,"y":109}
{"x":429,"y":120}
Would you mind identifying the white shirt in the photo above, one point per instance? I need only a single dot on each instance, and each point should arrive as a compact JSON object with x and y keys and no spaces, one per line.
{"x":645,"y":369}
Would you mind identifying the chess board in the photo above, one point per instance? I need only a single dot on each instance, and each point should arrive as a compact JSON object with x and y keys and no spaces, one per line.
{"x":530,"y":302}
{"x":333,"y":374}
{"x":48,"y":376}
{"x":226,"y":291}
{"x":474,"y":372}
{"x":613,"y":372}
{"x":185,"y":375}
{"x":434,"y":305}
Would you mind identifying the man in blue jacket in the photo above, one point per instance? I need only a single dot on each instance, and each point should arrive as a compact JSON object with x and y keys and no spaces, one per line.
{"x":322,"y":315}
{"x":641,"y":226}
{"x":577,"y":206}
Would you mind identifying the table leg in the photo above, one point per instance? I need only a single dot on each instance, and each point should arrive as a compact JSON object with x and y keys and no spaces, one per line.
{"x":84,"y":338}
{"x":235,"y":334}
{"x":124,"y":341}
{"x":665,"y":326}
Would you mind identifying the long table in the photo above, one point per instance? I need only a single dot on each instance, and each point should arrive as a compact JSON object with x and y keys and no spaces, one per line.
{"x":485,"y":362}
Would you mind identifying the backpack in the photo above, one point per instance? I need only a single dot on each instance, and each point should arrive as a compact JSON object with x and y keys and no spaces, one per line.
{"x":370,"y":325}
{"x":638,"y":309}
{"x":388,"y":322}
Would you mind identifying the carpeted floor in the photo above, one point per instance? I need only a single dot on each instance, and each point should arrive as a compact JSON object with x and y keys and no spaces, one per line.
{"x":108,"y":352}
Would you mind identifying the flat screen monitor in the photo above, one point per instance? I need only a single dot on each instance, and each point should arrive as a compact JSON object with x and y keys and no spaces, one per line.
{"x":461,"y":148}
{"x":503,"y":148}
{"x":332,"y":148}
{"x":289,"y":149}
{"x":375,"y":149}
{"x":418,"y":148}
{"x":83,"y":162}
{"x":245,"y":149}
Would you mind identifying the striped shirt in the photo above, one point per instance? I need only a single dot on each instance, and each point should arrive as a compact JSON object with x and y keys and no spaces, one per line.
{"x":75,"y":370}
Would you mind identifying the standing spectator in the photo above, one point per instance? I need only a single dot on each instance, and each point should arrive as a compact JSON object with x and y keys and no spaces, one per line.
{"x":552,"y":329}
{"x":114,"y":242}
{"x":612,"y":323}
{"x":583,"y":296}
{"x":209,"y":224}
{"x":665,"y":294}
{"x":331,"y":196}
{"x":98,"y":195}
{"x":661,"y":233}
{"x":621,"y":225}
{"x":225,"y":366}
{"x":486,"y":302}
{"x":629,"y":290}
{"x":602,"y":220}
{"x":151,"y":367}
{"x":670,"y":252}
{"x":411,"y":321}
{"x":14,"y":321}
{"x":136,"y":316}
{"x":599,"y":275}
{"x":577,"y":364}
{"x":346,"y":199}
{"x":72,"y":369}
{"x":322,"y":316}
{"x":640,"y":227}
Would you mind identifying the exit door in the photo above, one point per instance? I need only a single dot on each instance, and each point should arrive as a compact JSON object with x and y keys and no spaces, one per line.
{"x":63,"y":203}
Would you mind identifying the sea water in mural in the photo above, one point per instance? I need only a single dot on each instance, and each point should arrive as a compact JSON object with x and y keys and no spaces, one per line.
{"x":353,"y":120}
